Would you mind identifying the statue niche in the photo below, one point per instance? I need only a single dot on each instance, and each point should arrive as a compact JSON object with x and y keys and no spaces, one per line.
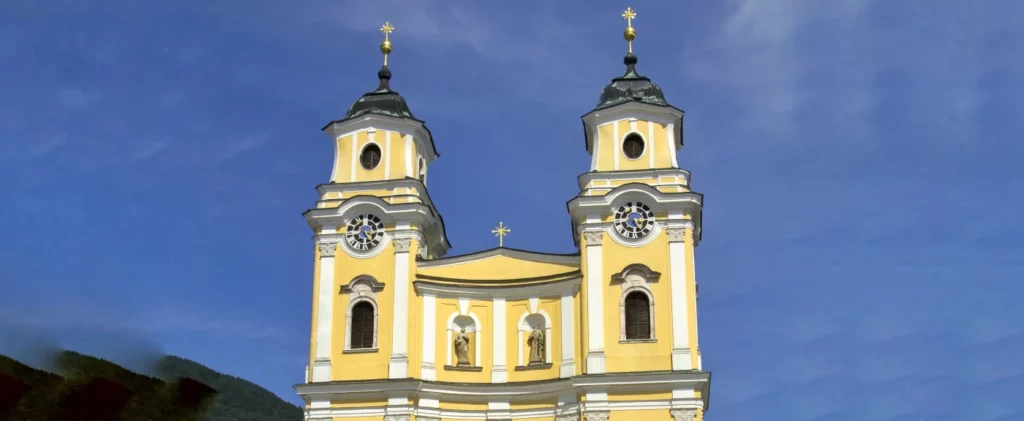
{"x":464,"y":335}
{"x":462,"y":348}
{"x":537,"y":344}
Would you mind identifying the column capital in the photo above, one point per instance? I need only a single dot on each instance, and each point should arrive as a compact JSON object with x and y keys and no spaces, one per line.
{"x":676,"y":235}
{"x":402,"y":245}
{"x":683,"y":414}
{"x":593,"y":238}
{"x":326,"y":248}
{"x":596,"y":416}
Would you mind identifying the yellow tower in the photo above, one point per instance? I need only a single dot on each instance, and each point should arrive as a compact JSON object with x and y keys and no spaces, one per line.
{"x":402,"y":332}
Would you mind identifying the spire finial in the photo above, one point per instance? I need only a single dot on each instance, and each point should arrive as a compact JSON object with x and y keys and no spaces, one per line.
{"x":385,"y":47}
{"x":630,"y":33}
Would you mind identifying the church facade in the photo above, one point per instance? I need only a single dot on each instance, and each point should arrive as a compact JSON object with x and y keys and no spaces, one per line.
{"x":403,"y":331}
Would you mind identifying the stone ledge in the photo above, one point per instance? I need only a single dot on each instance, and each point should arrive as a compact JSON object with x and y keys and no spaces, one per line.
{"x":462,"y":368}
{"x":533,"y":367}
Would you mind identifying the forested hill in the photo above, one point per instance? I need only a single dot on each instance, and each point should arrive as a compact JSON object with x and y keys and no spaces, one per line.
{"x":87,"y":388}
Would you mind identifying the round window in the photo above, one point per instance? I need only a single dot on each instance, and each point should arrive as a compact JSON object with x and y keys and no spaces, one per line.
{"x":370,"y":157}
{"x":633,"y":146}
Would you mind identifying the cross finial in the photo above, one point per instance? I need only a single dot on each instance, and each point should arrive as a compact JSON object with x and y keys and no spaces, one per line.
{"x":385,"y":47}
{"x":501,"y":231}
{"x":630,"y":33}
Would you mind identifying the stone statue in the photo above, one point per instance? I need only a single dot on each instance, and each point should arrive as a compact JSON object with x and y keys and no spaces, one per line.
{"x":536,"y":343}
{"x":462,"y":348}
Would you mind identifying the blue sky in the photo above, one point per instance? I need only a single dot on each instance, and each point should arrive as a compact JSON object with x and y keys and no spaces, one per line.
{"x":858,"y":158}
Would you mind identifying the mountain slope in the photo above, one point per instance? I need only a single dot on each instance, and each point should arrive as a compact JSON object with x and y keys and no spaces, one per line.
{"x":90,"y":388}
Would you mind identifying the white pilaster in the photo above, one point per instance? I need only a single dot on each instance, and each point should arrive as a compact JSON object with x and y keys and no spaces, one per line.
{"x":595,"y":306}
{"x":408,"y":156}
{"x":355,"y":152}
{"x":398,"y":366}
{"x":429,"y":371}
{"x":651,"y":146}
{"x":690,"y":235}
{"x":499,"y":371}
{"x":671,"y":128}
{"x":387,"y":154}
{"x":681,"y":359}
{"x":325,"y":311}
{"x":568,"y":367}
{"x":617,"y":142}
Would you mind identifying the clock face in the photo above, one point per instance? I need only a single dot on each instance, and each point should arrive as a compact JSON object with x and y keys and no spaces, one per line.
{"x":364,"y":232}
{"x":634,"y":220}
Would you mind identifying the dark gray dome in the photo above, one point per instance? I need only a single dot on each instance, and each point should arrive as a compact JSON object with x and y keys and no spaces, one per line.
{"x":631,"y":87}
{"x":382,"y":101}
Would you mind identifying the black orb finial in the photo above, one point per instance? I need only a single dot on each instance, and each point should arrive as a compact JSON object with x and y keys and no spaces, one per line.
{"x":384,"y":75}
{"x":630,"y":62}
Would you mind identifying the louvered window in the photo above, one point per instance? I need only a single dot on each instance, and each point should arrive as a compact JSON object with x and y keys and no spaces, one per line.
{"x":362,"y":326}
{"x":638,"y":316}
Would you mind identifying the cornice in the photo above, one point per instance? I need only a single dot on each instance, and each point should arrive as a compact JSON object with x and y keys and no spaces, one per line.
{"x":531,"y":256}
{"x":418,"y":129}
{"x":518,"y":391}
{"x":588,"y":177}
{"x":496,"y":289}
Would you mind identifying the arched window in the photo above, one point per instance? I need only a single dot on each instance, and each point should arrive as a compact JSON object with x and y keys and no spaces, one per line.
{"x":638,"y":316}
{"x":362,"y":325}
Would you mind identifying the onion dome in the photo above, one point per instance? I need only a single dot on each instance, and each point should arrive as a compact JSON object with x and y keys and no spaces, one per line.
{"x":383,"y":100}
{"x":631,"y":87}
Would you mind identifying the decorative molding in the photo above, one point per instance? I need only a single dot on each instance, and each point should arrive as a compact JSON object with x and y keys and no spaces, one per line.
{"x":327,"y":249}
{"x":402,"y":245}
{"x":593,"y":238}
{"x":403,"y":417}
{"x":426,"y":418}
{"x":348,"y":322}
{"x":463,"y":368}
{"x":489,"y":293}
{"x":596,"y":416}
{"x":533,"y":367}
{"x":640,"y":271}
{"x":362,"y":286}
{"x":676,"y":235}
{"x":683,"y":414}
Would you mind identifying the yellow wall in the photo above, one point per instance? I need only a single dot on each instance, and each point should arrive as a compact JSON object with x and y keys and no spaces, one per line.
{"x":394,"y":154}
{"x":609,"y":145}
{"x":498,"y":267}
{"x":362,"y":366}
{"x":483,"y":311}
{"x":646,"y":415}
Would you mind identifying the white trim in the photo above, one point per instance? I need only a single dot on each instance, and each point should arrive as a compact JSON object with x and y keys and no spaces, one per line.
{"x":622,"y":148}
{"x":499,"y":409}
{"x":567,"y":259}
{"x":650,"y":135}
{"x":568,"y":366}
{"x":324,"y":317}
{"x":690,"y":236}
{"x":514,"y":292}
{"x":337,"y":155}
{"x":594,"y":152}
{"x":499,"y":361}
{"x":387,"y":155}
{"x":398,"y":366}
{"x":671,"y":132}
{"x":591,"y":179}
{"x":428,"y":370}
{"x":476,"y":330}
{"x":363,"y":149}
{"x":595,"y":309}
{"x":355,"y":147}
{"x":413,"y":128}
{"x":348,"y":321}
{"x":408,"y":155}
{"x":524,"y":328}
{"x":681,"y":358}
{"x":618,"y":141}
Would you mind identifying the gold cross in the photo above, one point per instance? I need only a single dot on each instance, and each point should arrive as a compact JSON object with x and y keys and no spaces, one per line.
{"x":501,"y":231}
{"x":630,"y":33}
{"x":385,"y":47}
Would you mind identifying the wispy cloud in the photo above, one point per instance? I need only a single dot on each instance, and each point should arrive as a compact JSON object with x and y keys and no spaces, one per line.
{"x":74,"y":96}
{"x":85,"y":316}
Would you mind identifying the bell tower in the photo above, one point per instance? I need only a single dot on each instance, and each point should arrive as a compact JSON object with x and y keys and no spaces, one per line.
{"x":637,"y":222}
{"x":373,"y":222}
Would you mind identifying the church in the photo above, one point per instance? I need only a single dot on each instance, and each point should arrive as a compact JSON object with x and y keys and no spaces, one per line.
{"x":403,"y":331}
